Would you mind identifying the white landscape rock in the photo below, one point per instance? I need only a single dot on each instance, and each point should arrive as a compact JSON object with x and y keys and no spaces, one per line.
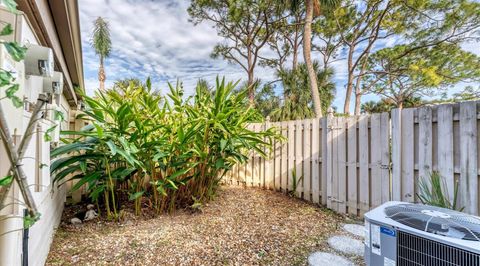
{"x":90,"y":215}
{"x":346,"y":245}
{"x":75,"y":221}
{"x":323,"y":258}
{"x":355,"y":229}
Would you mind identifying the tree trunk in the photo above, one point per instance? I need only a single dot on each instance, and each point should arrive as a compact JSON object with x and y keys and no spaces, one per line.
{"x":307,"y":49}
{"x":348,"y":93}
{"x":295,"y":58}
{"x":348,"y":96}
{"x":358,"y":92}
{"x":358,"y":98}
{"x":101,"y":76}
{"x":295,"y":45}
{"x":250,"y":66}
{"x":251,"y":87}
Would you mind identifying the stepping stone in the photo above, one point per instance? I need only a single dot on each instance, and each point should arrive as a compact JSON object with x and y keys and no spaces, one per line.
{"x":347,"y":245}
{"x":355,"y":229}
{"x":323,"y":258}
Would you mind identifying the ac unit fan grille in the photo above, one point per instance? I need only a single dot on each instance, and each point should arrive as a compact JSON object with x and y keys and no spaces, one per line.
{"x":436,"y":220}
{"x":415,"y":250}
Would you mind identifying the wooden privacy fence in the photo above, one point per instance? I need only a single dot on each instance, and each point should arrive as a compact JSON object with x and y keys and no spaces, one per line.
{"x":443,"y":138}
{"x":353,"y":164}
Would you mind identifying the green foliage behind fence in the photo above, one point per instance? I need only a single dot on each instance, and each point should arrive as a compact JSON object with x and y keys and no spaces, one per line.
{"x":161,"y":152}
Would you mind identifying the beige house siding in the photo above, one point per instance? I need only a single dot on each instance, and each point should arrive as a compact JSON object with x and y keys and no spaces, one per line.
{"x":56,"y":26}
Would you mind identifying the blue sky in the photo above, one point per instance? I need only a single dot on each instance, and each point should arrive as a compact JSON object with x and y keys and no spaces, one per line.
{"x":154,"y":38}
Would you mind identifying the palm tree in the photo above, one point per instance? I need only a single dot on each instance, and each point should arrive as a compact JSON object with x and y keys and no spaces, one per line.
{"x":307,"y":51}
{"x":103,"y":45}
{"x":312,"y":8}
{"x":298,"y":100}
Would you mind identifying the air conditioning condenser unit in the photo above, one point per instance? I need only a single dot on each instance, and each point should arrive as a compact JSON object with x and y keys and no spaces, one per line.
{"x":399,"y":233}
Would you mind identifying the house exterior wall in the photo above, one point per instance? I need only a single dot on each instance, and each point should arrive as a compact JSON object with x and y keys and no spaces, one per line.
{"x":48,"y":197}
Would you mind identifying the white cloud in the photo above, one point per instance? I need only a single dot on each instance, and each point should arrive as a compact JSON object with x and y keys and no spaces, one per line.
{"x":154,"y":38}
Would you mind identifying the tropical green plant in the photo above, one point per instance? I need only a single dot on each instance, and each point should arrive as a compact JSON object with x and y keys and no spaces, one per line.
{"x":298,"y":103}
{"x":295,"y":182}
{"x":433,"y":191}
{"x":102,"y":44}
{"x":161,"y":153}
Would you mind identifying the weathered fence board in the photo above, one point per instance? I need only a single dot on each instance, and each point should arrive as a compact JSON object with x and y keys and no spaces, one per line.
{"x":325,"y":161}
{"x":425,"y":144}
{"x":468,"y":157}
{"x":364,"y":185}
{"x":341,"y":163}
{"x":385,"y":157}
{"x":396,"y":155}
{"x":291,"y":154}
{"x":352,"y":164}
{"x":376,"y":159}
{"x":329,"y":158}
{"x":408,"y":155}
{"x":299,"y":156}
{"x":335,"y":175}
{"x":307,"y":158}
{"x":257,"y":174}
{"x":277,"y":161}
{"x":315,"y":160}
{"x":445,"y":146}
{"x":284,"y":160}
{"x":269,"y":165}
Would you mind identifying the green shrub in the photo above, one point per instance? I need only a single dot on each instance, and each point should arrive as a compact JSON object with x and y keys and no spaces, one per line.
{"x":163,"y":153}
{"x":433,"y":191}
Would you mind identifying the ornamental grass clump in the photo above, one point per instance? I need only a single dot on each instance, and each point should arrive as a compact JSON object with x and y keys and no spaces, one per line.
{"x":433,"y":191}
{"x":161,"y":153}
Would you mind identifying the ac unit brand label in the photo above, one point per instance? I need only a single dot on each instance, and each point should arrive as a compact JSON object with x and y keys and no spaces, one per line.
{"x":387,"y":231}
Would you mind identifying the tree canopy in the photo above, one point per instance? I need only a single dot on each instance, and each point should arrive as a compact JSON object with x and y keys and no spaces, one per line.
{"x":396,"y":49}
{"x":246,"y":27}
{"x":424,"y":71}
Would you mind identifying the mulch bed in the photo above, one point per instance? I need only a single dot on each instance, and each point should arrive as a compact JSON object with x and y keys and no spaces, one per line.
{"x":240,"y":227}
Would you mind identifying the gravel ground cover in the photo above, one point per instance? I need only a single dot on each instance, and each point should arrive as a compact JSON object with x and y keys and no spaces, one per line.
{"x":240,"y":227}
